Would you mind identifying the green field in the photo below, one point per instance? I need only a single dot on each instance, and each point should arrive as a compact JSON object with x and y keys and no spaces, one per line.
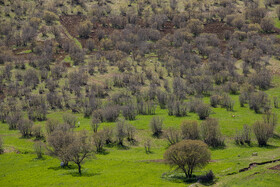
{"x":133,"y":167}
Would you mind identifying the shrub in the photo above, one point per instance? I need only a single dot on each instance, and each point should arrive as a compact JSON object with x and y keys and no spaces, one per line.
{"x":146,"y":107}
{"x":51,"y":125}
{"x":120,"y":131}
{"x":227,"y":102}
{"x":215,"y":100}
{"x":39,"y":149}
{"x":276,"y":102}
{"x":208,"y":177}
{"x":172,"y":135}
{"x":177,"y":108}
{"x":85,"y":29}
{"x":188,"y":155}
{"x":129,"y":112}
{"x":37,"y":131}
{"x":193,"y":103}
{"x":99,"y":141}
{"x":211,"y":134}
{"x":147,"y":145}
{"x":1,"y":145}
{"x":203,"y":110}
{"x":108,"y":134}
{"x":70,"y":120}
{"x":13,"y":120}
{"x":259,"y":102}
{"x":25,"y":127}
{"x":130,"y":132}
{"x":195,"y":26}
{"x":110,"y":113}
{"x":156,"y":124}
{"x":244,"y":136}
{"x":267,"y":25}
{"x":95,"y":122}
{"x":270,"y":118}
{"x":263,"y":131}
{"x":50,"y":17}
{"x":189,"y":130}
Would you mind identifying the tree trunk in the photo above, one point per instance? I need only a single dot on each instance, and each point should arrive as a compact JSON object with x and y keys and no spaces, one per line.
{"x":79,"y":166}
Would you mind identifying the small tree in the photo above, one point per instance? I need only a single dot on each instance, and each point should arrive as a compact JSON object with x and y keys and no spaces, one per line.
{"x":130,"y":132}
{"x":278,"y":12}
{"x":190,"y":130}
{"x":25,"y":127}
{"x":147,"y":145}
{"x":85,"y":29}
{"x":244,"y":136}
{"x":79,"y":149}
{"x":37,"y":131}
{"x":263,"y":131}
{"x":1,"y":145}
{"x":156,"y":124}
{"x":203,"y":110}
{"x":95,"y":122}
{"x":99,"y":141}
{"x":172,"y":135}
{"x":70,"y":120}
{"x":51,"y":125}
{"x":211,"y":134}
{"x":39,"y":149}
{"x":188,"y":155}
{"x":267,"y":25}
{"x":120,"y":131}
{"x":195,"y":26}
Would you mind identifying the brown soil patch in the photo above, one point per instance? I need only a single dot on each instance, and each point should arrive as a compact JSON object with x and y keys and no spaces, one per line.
{"x":275,"y":167}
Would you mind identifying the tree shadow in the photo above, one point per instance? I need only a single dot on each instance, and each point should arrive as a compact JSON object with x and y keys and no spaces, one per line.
{"x":84,"y":174}
{"x":103,"y":152}
{"x":69,"y":167}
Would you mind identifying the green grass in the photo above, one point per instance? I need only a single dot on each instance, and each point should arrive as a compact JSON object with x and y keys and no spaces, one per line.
{"x":132,"y":167}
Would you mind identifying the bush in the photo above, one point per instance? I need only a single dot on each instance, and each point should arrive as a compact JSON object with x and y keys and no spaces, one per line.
{"x":259,"y":102}
{"x":276,"y":102}
{"x":146,"y":108}
{"x":1,"y":145}
{"x":193,"y":103}
{"x":188,"y":155}
{"x":129,"y":112}
{"x":108,"y":134}
{"x":51,"y":125}
{"x":85,"y":29}
{"x":25,"y":127}
{"x":270,"y":118}
{"x":227,"y":102}
{"x":177,"y":108}
{"x":130,"y":132}
{"x":70,"y":120}
{"x":244,"y":136}
{"x":215,"y":100}
{"x":203,"y":110}
{"x":99,"y":141}
{"x":147,"y":145}
{"x":50,"y":17}
{"x":120,"y":131}
{"x":110,"y":113}
{"x":156,"y":124}
{"x":95,"y":122}
{"x":211,"y":134}
{"x":189,"y":130}
{"x":267,"y":25}
{"x":13,"y":120}
{"x":207,"y":178}
{"x":172,"y":135}
{"x":39,"y":149}
{"x":263,"y":131}
{"x":37,"y":131}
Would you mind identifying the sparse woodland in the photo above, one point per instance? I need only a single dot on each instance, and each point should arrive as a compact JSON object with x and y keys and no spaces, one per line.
{"x":87,"y":85}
